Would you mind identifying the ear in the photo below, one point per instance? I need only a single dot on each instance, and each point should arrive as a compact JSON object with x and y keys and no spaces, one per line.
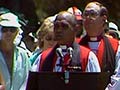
{"x":104,"y":18}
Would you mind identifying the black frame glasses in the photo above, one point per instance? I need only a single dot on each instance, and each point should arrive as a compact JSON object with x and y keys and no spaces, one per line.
{"x":91,"y":13}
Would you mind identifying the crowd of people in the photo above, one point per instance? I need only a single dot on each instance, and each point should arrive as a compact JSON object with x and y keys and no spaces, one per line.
{"x":70,"y":40}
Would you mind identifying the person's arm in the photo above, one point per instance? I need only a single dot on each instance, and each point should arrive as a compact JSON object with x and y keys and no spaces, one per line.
{"x":115,"y":79}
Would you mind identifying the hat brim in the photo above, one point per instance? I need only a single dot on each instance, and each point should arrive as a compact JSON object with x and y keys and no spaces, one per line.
{"x":9,"y":24}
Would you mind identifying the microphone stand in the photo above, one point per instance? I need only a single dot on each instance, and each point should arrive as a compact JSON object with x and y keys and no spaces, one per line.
{"x":61,"y":64}
{"x":71,"y":67}
{"x":66,"y":76}
{"x":67,"y":70}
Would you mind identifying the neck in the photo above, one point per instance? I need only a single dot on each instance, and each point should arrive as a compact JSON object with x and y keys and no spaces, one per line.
{"x":95,"y":38}
{"x":63,"y":46}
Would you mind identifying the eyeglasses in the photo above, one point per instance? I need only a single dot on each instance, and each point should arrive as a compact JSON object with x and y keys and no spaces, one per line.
{"x":91,"y":13}
{"x":11,"y":29}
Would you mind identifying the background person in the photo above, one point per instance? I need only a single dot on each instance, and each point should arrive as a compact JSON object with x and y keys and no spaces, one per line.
{"x":107,"y":49}
{"x":113,"y":30}
{"x":14,"y":64}
{"x":45,"y":36}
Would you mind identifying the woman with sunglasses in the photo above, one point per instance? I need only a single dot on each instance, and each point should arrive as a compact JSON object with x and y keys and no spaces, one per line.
{"x":14,"y":64}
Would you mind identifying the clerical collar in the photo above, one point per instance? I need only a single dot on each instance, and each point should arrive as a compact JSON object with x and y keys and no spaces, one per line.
{"x":95,"y":39}
{"x":63,"y":46}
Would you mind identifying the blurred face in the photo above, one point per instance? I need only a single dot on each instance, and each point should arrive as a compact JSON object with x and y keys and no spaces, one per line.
{"x":63,"y":31}
{"x":92,"y":21}
{"x":8,"y":34}
{"x":48,"y":40}
{"x":30,"y":44}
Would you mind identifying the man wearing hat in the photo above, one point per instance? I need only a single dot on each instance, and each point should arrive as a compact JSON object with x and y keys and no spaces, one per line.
{"x":14,"y":64}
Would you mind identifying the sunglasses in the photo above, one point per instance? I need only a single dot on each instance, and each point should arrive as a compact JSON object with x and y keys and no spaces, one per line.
{"x":10,"y":29}
{"x":90,"y":13}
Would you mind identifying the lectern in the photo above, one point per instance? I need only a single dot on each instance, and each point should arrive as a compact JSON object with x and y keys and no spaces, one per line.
{"x":74,"y":81}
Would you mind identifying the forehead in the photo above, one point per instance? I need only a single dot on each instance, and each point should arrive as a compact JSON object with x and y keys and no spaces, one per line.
{"x":65,"y":16}
{"x":92,"y":6}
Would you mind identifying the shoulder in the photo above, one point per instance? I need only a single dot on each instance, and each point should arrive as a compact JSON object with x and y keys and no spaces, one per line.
{"x":114,"y":43}
{"x":21,"y":51}
{"x":84,"y":52}
{"x":47,"y":51}
{"x":84,"y":49}
{"x":113,"y":40}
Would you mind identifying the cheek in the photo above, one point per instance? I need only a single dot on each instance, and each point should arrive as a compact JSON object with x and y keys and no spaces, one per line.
{"x":4,"y":35}
{"x":99,"y":22}
{"x":85,"y":25}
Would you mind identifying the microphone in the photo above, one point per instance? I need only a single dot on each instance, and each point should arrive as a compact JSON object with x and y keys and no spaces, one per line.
{"x":67,"y":77}
{"x":70,"y":51}
{"x":59,"y":52}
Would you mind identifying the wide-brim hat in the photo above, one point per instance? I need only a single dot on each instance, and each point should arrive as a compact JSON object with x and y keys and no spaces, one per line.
{"x":113,"y":26}
{"x":9,"y":20}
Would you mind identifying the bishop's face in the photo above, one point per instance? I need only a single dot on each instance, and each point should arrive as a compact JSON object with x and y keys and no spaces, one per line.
{"x":93,"y":22}
{"x":63,"y":31}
